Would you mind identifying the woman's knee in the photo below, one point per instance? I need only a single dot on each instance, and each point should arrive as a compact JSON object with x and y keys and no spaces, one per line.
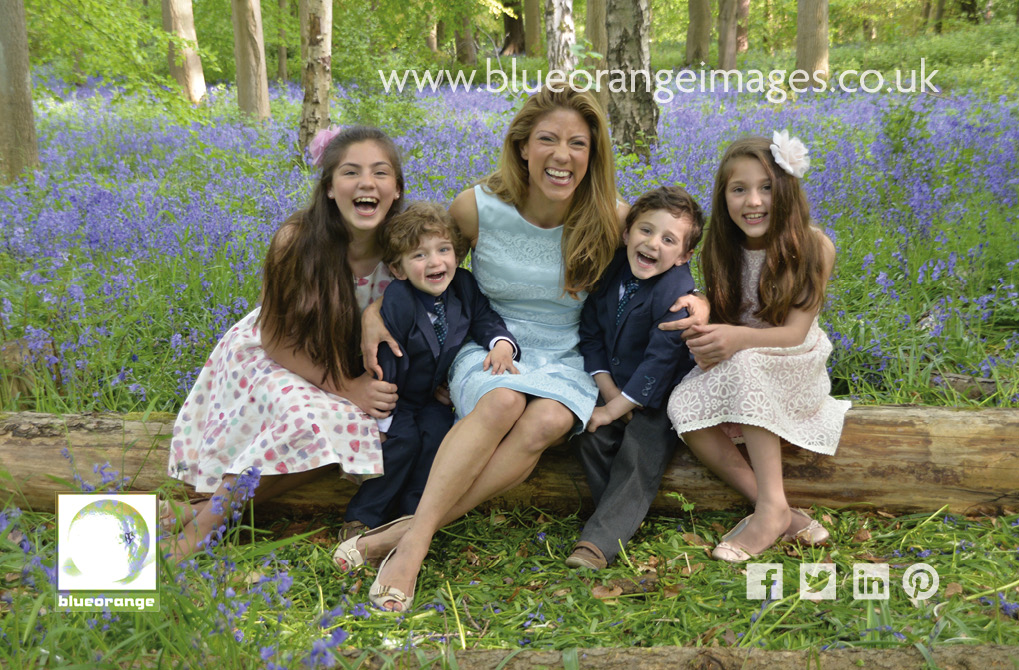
{"x":501,"y":407}
{"x":546,"y":423}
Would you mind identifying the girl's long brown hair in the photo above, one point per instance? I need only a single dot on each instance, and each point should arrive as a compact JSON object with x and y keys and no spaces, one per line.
{"x":308,"y":301}
{"x":591,"y":231}
{"x":793,"y":273}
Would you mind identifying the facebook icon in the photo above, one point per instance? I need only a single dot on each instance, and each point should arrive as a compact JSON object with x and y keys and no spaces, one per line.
{"x":759,"y":576}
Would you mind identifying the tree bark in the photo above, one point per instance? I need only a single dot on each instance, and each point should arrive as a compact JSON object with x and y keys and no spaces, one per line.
{"x":440,"y":33}
{"x":698,"y":33}
{"x":532,"y":27}
{"x":898,"y":459}
{"x":560,"y":35}
{"x":596,"y":32}
{"x":317,"y":75}
{"x":812,"y":36}
{"x":727,"y":34}
{"x":970,"y":11}
{"x":19,"y":148}
{"x":869,"y":30}
{"x":281,"y":60}
{"x":513,"y":29}
{"x":925,"y":12}
{"x":742,"y":26}
{"x":302,"y":20}
{"x":432,"y":37}
{"x":939,"y":15}
{"x":249,"y":53}
{"x":633,"y":110}
{"x":186,"y":68}
{"x":466,"y":51}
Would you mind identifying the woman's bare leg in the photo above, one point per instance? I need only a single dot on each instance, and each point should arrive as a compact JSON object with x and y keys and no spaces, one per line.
{"x":216,"y":511}
{"x":502,"y":466}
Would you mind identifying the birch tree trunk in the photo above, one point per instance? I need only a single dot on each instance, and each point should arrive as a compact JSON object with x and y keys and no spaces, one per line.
{"x":532,"y":27}
{"x":727,"y":34}
{"x":742,"y":26}
{"x":560,"y":35}
{"x":466,"y":51}
{"x":812,"y":36}
{"x":431,"y":37}
{"x":249,"y":53}
{"x":186,"y":68}
{"x":281,"y":60}
{"x":597,"y":34}
{"x":317,"y":74}
{"x":19,"y":148}
{"x":698,"y":33}
{"x":633,"y":110}
{"x":513,"y":29}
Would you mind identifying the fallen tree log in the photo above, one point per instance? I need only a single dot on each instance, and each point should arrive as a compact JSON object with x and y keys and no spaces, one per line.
{"x":899,"y":459}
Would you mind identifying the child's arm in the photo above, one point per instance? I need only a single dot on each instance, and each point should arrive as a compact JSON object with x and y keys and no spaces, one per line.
{"x":610,"y":411}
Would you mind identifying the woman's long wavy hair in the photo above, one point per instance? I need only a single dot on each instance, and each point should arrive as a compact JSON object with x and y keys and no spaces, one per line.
{"x":308,"y":301}
{"x":793,"y":273}
{"x":591,"y":232}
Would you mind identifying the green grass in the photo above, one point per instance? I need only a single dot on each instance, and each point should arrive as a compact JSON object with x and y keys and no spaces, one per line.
{"x":497,"y":581}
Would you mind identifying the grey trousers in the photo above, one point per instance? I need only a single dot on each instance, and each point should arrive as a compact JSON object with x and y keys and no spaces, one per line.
{"x":624,"y":464}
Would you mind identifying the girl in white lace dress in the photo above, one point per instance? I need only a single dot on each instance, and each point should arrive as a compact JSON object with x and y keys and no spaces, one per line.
{"x":761,"y":371}
{"x":284,"y":393}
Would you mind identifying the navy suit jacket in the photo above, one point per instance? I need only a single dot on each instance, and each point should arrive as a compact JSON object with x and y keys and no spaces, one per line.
{"x":645,"y":362}
{"x":423,"y":366}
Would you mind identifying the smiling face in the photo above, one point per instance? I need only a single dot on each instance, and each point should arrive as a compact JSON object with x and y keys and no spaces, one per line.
{"x":364,"y":185}
{"x":429,"y":266}
{"x":657,"y":241}
{"x":748,"y":199}
{"x":557,"y":153}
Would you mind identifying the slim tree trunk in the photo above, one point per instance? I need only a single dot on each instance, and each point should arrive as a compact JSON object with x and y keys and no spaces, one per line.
{"x":869,"y":30}
{"x":19,"y":148}
{"x":560,"y":35}
{"x":317,"y":75}
{"x":440,"y":33}
{"x":633,"y":110}
{"x":727,"y":34}
{"x":186,"y":67}
{"x":302,"y":20}
{"x":513,"y":29}
{"x":466,"y":51}
{"x":926,"y":14}
{"x":742,"y":26}
{"x":698,"y":33}
{"x":431,"y":37}
{"x":939,"y":16}
{"x":532,"y":27}
{"x":766,"y":37}
{"x":249,"y":52}
{"x":281,"y":60}
{"x":812,"y":36}
{"x":597,"y":34}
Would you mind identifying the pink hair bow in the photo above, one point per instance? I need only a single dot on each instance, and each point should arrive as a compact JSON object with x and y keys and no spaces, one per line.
{"x":318,"y":144}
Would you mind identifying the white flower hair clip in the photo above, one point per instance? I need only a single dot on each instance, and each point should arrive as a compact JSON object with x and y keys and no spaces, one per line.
{"x":790,"y":153}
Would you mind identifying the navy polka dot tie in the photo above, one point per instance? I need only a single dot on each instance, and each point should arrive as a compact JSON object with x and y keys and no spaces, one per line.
{"x":440,"y":323}
{"x":629,"y":288}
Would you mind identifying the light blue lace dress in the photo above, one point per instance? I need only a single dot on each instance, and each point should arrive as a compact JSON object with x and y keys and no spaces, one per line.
{"x":520,"y":268}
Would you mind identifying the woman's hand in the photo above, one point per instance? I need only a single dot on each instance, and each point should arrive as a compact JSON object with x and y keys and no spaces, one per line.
{"x":714,"y":343}
{"x":376,"y":398}
{"x":374,"y":333}
{"x":698,"y":311}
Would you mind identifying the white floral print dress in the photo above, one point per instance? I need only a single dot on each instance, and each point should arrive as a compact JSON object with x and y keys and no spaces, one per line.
{"x":783,"y":389}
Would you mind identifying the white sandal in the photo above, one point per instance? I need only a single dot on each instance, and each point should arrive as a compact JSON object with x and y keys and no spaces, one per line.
{"x":348,"y":557}
{"x":381,"y":595}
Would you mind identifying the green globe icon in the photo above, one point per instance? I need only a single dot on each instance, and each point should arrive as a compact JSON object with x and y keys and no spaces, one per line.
{"x":109,"y":541}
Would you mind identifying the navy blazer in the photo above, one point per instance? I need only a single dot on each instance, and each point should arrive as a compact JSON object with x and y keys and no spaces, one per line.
{"x":645,"y":362}
{"x":423,"y":367}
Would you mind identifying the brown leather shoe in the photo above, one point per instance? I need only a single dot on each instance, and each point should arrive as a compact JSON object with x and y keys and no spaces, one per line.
{"x":586,"y":555}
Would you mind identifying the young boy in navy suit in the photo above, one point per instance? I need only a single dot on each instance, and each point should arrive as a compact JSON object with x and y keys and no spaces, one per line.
{"x":635,"y":365}
{"x":429,"y":310}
